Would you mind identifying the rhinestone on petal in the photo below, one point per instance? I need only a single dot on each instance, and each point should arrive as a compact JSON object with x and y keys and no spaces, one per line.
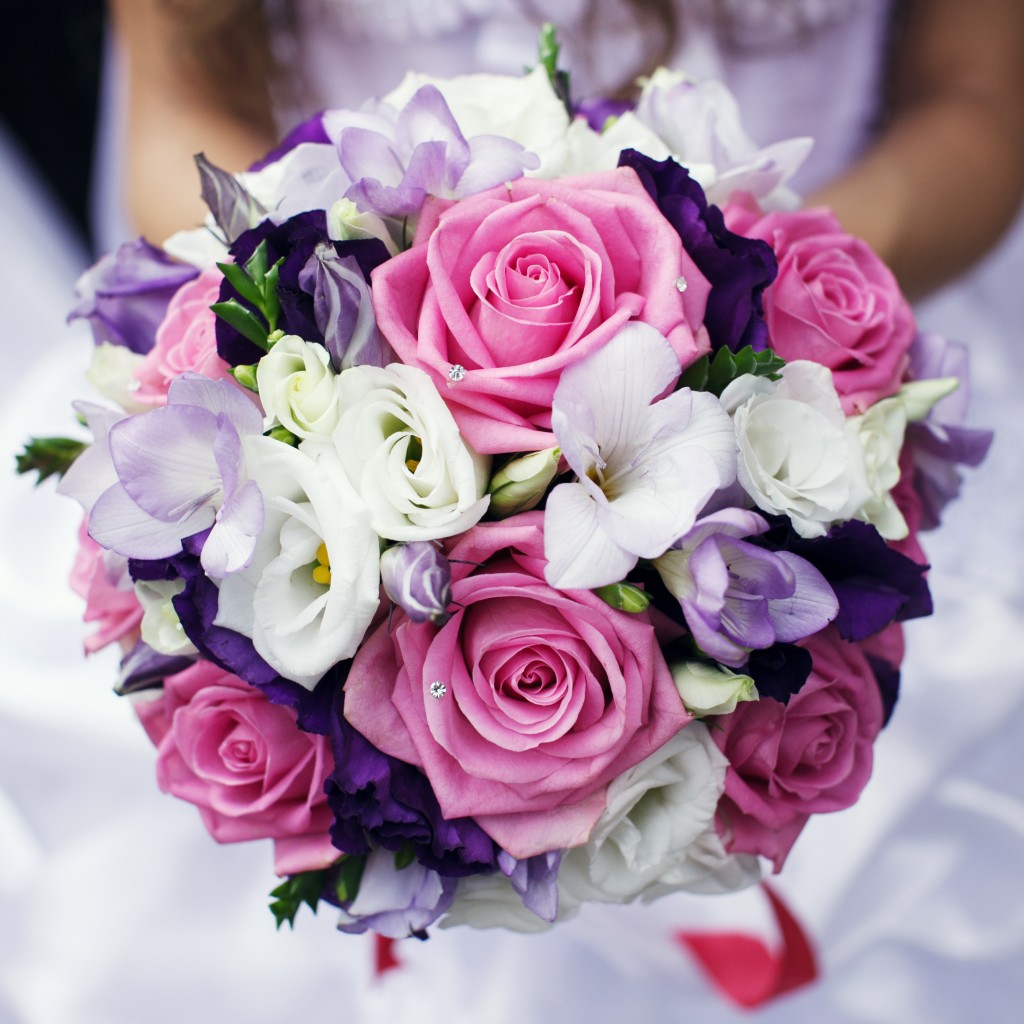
{"x":438,"y":689}
{"x":681,"y":284}
{"x":456,"y":372}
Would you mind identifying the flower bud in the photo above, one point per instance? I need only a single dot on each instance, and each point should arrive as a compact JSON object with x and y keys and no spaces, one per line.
{"x":418,"y":578}
{"x":521,"y":484}
{"x":345,"y":223}
{"x":707,"y":690}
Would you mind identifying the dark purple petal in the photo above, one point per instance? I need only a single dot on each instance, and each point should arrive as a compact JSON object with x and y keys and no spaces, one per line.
{"x":125,"y":295}
{"x":310,"y":130}
{"x":779,"y":671}
{"x":738,"y":269}
{"x":142,"y":668}
{"x":598,"y":110}
{"x":887,"y":676}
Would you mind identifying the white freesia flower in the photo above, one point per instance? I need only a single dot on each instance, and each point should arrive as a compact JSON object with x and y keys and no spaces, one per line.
{"x":161,"y":628}
{"x":710,"y":690}
{"x":657,"y":835}
{"x":297,"y":388}
{"x":796,"y":455}
{"x":700,"y":124}
{"x":112,"y":373}
{"x":521,"y":108}
{"x":312,"y":586}
{"x":879,"y":431}
{"x":403,"y":452}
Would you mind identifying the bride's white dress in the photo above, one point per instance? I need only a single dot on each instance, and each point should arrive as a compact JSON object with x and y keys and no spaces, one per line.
{"x":117,"y":908}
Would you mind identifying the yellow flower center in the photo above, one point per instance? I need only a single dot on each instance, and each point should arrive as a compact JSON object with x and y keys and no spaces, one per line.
{"x":322,"y":570}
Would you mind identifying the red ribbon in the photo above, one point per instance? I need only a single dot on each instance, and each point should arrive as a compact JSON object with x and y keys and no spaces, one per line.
{"x":384,"y":958}
{"x":745,"y":969}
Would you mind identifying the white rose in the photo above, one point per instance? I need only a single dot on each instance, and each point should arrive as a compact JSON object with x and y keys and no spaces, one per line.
{"x":522,"y":108}
{"x":161,"y":628}
{"x":403,"y":452}
{"x":656,"y":834}
{"x":879,"y":431}
{"x":796,"y":456}
{"x":297,"y":388}
{"x":312,"y":586}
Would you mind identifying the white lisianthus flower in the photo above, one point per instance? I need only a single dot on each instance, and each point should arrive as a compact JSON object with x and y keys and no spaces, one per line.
{"x":404,"y":454}
{"x":523,"y":108}
{"x":656,"y":835}
{"x":297,"y":388}
{"x":312,"y":586}
{"x":112,"y":372}
{"x":710,"y":690}
{"x":879,"y":431}
{"x":161,"y":628}
{"x":797,"y":456}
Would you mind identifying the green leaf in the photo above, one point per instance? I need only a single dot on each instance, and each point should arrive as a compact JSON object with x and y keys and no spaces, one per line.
{"x":243,"y":321}
{"x":271,"y":304}
{"x":350,"y":874}
{"x":721,"y":372}
{"x":695,"y":376}
{"x":727,"y":366}
{"x":295,"y":890}
{"x":242,"y":283}
{"x":547,"y":56}
{"x":624,"y":597}
{"x":48,"y":456}
{"x":256,"y":268}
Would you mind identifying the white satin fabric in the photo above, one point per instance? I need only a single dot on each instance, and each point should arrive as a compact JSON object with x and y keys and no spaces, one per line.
{"x":117,"y":908}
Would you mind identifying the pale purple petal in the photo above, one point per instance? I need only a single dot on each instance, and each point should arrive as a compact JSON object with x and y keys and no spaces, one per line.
{"x":233,"y":538}
{"x":93,"y":471}
{"x":812,"y":606}
{"x":217,"y":396}
{"x":119,"y":524}
{"x":494,"y":160}
{"x":370,"y":154}
{"x":536,"y":881}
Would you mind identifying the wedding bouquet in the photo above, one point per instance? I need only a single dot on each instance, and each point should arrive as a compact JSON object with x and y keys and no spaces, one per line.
{"x":506,"y":505}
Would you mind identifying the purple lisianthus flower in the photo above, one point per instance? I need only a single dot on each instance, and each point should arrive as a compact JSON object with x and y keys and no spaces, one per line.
{"x":396,"y":902}
{"x":180,"y":471}
{"x":736,"y":596}
{"x":418,"y":578}
{"x":396,"y":158}
{"x":599,"y":110}
{"x":738,"y":269}
{"x":295,"y":240}
{"x":940,"y":443}
{"x":125,"y":295}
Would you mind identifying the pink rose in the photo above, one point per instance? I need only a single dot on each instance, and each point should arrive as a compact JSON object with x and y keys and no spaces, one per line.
{"x":185,"y":340}
{"x":526,"y":703}
{"x":244,"y":763}
{"x":787,"y":762}
{"x":834,"y":302}
{"x":514,"y":284}
{"x":101,"y":578}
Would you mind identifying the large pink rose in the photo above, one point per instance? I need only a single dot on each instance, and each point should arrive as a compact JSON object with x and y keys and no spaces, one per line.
{"x":834,"y":302}
{"x":514,"y":284}
{"x":244,"y":763}
{"x":185,"y":340}
{"x":787,"y":762}
{"x":526,"y":703}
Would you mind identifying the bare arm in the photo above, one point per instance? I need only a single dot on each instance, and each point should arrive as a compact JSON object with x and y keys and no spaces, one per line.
{"x":946,"y":176}
{"x":176,"y":108}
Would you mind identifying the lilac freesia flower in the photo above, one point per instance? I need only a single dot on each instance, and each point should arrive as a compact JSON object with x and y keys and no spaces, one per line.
{"x":941,"y":442}
{"x":396,"y":902}
{"x":644,"y":468}
{"x":736,"y":596}
{"x":396,"y":158}
{"x":125,"y":295}
{"x":179,"y":472}
{"x":418,"y":578}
